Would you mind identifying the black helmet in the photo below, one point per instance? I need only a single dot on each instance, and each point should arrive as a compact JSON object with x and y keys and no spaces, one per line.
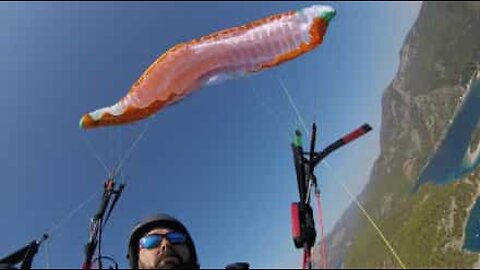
{"x":146,"y":225}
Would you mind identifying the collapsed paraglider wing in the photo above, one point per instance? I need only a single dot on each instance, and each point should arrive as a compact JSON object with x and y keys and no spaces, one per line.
{"x":215,"y":58}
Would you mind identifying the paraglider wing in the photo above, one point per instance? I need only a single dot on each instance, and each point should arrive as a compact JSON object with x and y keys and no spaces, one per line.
{"x":215,"y":58}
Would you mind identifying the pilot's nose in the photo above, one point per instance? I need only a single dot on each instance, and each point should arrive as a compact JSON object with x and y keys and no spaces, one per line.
{"x":164,"y":246}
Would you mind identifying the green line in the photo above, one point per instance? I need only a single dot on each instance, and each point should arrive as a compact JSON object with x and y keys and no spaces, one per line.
{"x":293,"y":105}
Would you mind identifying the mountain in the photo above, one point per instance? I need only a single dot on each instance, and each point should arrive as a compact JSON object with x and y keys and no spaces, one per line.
{"x":426,"y":228}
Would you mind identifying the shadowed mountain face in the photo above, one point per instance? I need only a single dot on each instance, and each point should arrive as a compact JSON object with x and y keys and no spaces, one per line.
{"x":426,"y":228}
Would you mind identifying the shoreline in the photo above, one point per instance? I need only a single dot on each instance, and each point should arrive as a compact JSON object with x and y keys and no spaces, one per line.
{"x":463,"y":98}
{"x":464,"y":227}
{"x":469,"y":209}
{"x":473,"y":152}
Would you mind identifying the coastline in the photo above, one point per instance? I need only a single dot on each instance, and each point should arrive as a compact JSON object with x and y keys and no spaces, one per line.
{"x":463,"y":98}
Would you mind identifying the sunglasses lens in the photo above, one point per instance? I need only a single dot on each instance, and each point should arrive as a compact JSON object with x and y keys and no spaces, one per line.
{"x":154,"y":240}
{"x":150,"y":241}
{"x":176,"y":238}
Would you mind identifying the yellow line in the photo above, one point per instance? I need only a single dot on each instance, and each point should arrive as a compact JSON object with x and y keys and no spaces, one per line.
{"x":374,"y":225}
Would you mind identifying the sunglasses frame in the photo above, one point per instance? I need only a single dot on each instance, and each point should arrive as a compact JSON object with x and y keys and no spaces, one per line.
{"x":162,"y":237}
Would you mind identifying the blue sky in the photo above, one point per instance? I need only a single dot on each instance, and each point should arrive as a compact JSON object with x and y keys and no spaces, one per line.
{"x":220,"y":161}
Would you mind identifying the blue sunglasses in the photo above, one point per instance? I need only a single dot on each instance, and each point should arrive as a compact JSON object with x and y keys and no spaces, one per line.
{"x":154,"y":240}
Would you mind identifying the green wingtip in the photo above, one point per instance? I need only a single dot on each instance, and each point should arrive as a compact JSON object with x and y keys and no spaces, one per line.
{"x":329,"y":15}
